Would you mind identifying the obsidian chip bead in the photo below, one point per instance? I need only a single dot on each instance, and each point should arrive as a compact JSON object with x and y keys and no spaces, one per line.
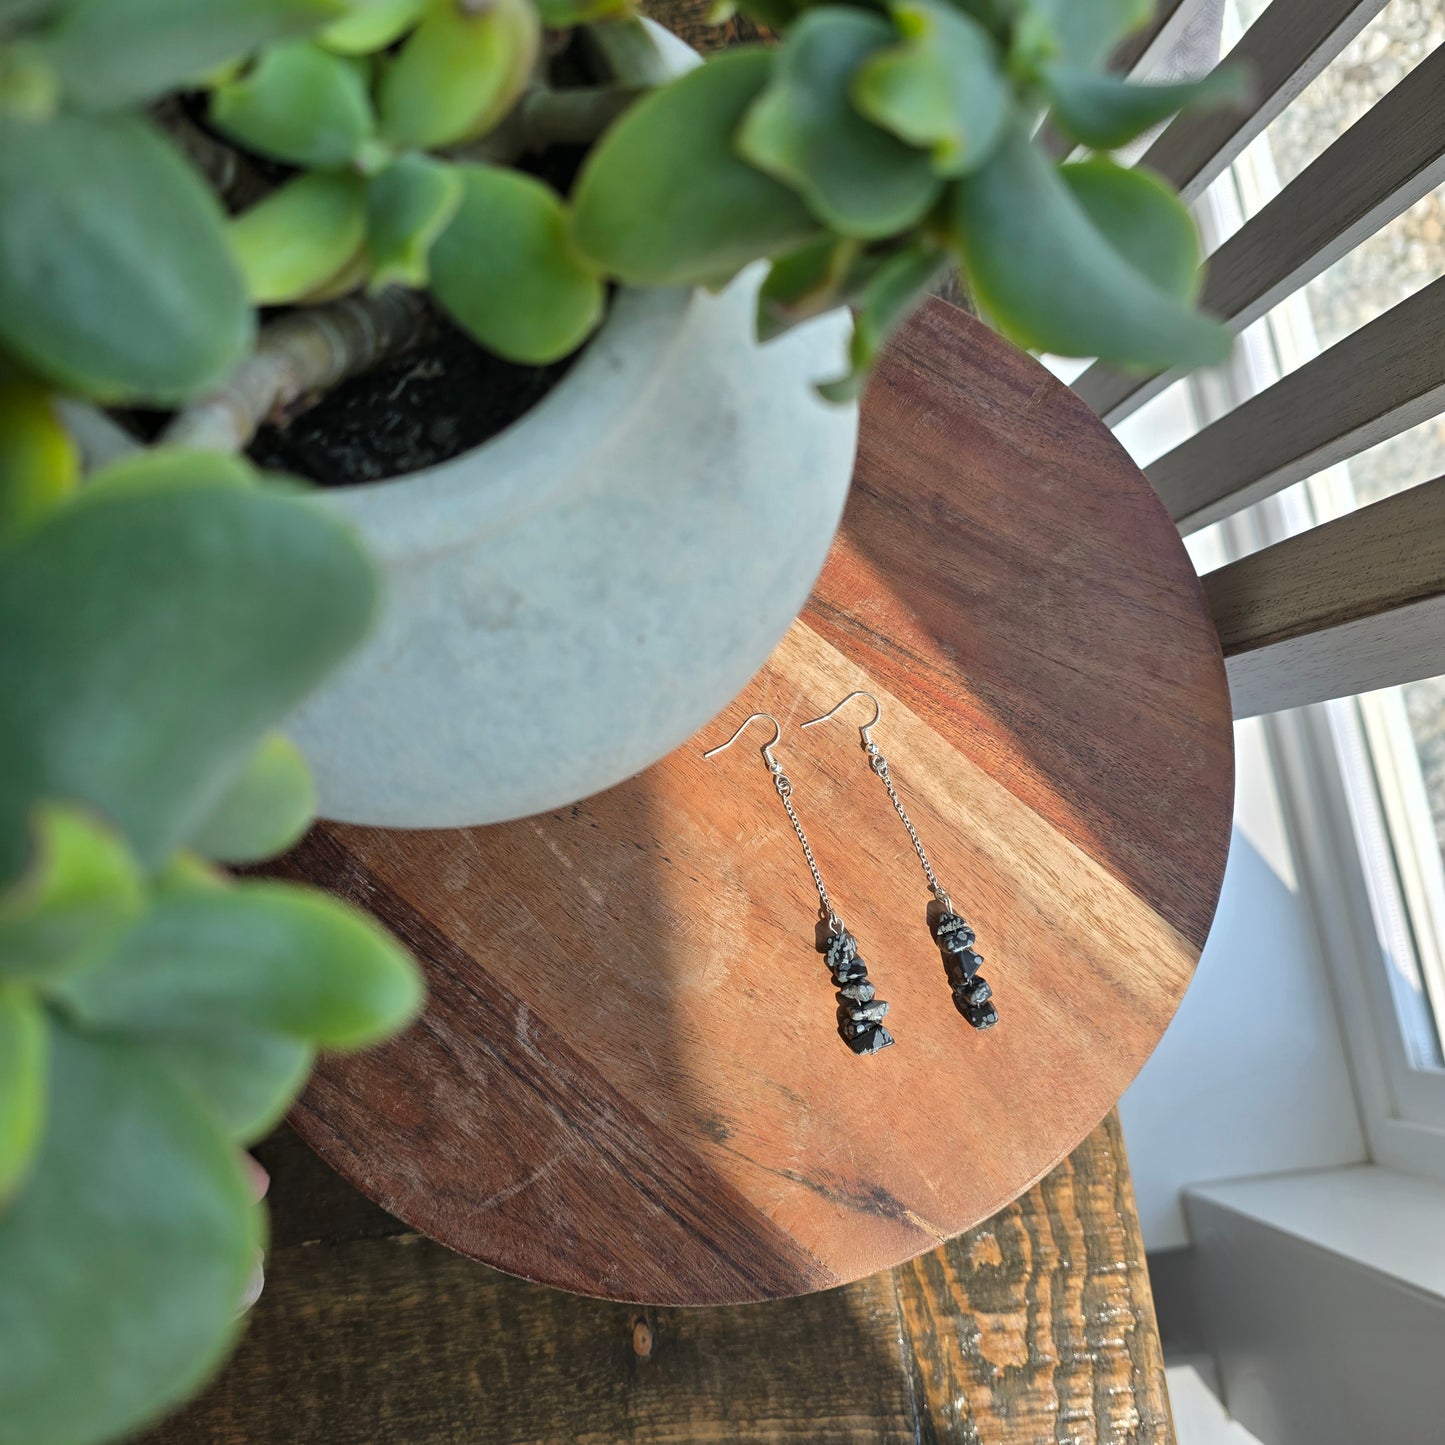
{"x":974,"y":991}
{"x":873,"y":1038}
{"x":950,"y":925}
{"x":965,"y":964}
{"x":981,"y":1015}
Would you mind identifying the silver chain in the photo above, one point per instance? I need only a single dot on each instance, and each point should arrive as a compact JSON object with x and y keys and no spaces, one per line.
{"x":879,"y":764}
{"x":784,"y":785}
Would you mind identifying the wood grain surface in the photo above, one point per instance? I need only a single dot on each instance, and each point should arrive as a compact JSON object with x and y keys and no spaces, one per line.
{"x":1035,"y":1326}
{"x":628,"y":1081}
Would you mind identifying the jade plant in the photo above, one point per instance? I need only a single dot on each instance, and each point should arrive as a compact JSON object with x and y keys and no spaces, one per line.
{"x":210,"y":212}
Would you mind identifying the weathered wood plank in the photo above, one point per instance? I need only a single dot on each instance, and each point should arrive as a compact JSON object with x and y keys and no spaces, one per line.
{"x":1036,"y":1326}
{"x":1039,"y":1325}
{"x":1355,"y":604}
{"x":1382,"y":165}
{"x":1377,"y":382}
{"x":1290,"y":43}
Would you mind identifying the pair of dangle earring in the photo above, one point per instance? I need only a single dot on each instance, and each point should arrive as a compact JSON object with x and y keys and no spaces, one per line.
{"x":972,"y":994}
{"x":860,"y":1011}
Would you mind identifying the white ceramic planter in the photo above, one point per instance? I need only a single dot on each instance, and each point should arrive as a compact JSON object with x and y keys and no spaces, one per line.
{"x":570,"y":601}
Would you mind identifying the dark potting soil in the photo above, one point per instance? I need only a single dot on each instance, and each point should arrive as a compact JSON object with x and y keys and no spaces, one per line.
{"x":441,"y":398}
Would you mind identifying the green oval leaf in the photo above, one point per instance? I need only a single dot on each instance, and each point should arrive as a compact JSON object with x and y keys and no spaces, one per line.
{"x":943,"y":88}
{"x":248,"y":1079}
{"x":111,"y":55}
{"x":115,"y":279}
{"x":125,"y":1253}
{"x":1106,"y":112}
{"x":150,"y":638}
{"x":300,"y":104}
{"x":1083,"y":32}
{"x":149,"y":471}
{"x":296,"y":239}
{"x":265,"y":810}
{"x":372,"y":26}
{"x":408,"y":205}
{"x":504,"y":272}
{"x":663,"y":200}
{"x":29,"y":86}
{"x":81,"y":889}
{"x":803,"y":129}
{"x":39,"y":462}
{"x":24,"y":1048}
{"x":563,"y":14}
{"x":1143,"y":219}
{"x":459,"y":73}
{"x":884,"y":303}
{"x":271,"y":957}
{"x":1050,"y":279}
{"x":813,"y":279}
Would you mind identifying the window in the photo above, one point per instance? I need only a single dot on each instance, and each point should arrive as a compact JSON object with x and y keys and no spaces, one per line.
{"x":1365,"y":776}
{"x":1384,"y":798}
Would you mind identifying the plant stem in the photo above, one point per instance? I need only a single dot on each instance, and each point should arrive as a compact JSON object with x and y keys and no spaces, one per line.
{"x":100,"y":438}
{"x":545,"y":117}
{"x":298,"y":357}
{"x":233,"y":176}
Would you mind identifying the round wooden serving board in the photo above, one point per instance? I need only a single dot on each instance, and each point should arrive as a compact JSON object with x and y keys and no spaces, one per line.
{"x":628,"y":1081}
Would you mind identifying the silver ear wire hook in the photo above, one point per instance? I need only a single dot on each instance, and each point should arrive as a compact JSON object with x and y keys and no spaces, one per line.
{"x":866,"y":731}
{"x":860,"y":1013}
{"x":774,"y":766}
{"x":971,"y":992}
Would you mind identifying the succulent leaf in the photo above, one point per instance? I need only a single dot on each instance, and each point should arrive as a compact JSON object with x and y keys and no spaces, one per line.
{"x":269,"y":957}
{"x":115,"y":278}
{"x":408,"y":205}
{"x":110,"y":55}
{"x":562,"y":14}
{"x":1106,"y":112}
{"x":372,"y":26}
{"x":1083,"y":32}
{"x":39,"y":462}
{"x":505,"y":273}
{"x":803,"y":129}
{"x":459,"y":72}
{"x":299,"y":104}
{"x":149,"y":638}
{"x":663,"y":199}
{"x":248,"y":1078}
{"x":1050,"y":278}
{"x":943,"y":88}
{"x":883,"y":304}
{"x":129,"y":1245}
{"x":23,"y":1066}
{"x":300,"y":236}
{"x":265,"y":810}
{"x":82,"y":887}
{"x":818,"y":276}
{"x":1143,"y":219}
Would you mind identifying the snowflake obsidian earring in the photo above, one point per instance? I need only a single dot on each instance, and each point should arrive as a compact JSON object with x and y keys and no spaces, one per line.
{"x":860,"y":1014}
{"x":971,"y":992}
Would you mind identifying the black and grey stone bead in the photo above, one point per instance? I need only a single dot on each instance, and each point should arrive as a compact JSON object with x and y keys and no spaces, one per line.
{"x":860,"y":1012}
{"x":961,"y":962}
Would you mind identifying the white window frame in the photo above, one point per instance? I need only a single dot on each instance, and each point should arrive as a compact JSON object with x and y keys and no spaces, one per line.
{"x":1349,"y":779}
